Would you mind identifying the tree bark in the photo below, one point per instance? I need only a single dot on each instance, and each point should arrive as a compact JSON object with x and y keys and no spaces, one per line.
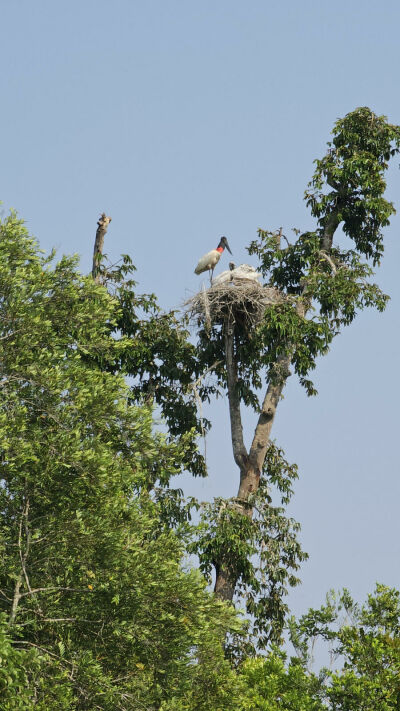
{"x":225,"y":582}
{"x":102,"y":227}
{"x":331,"y":223}
{"x":239,"y":450}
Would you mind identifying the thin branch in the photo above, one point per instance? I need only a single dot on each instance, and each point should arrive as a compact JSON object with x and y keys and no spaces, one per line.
{"x":42,"y":649}
{"x":52,"y":589}
{"x":203,"y":375}
{"x":68,"y":619}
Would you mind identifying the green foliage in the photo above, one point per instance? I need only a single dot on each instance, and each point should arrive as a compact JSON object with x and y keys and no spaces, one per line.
{"x":363,"y":639}
{"x":97,"y":609}
{"x":371,"y":649}
{"x":353,"y":169}
{"x":269,"y":684}
{"x":14,"y":666}
{"x":367,"y":641}
{"x":331,"y":283}
{"x":331,"y":290}
{"x":262,"y":549}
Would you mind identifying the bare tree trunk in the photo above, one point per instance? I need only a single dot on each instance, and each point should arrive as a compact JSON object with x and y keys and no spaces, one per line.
{"x":102,"y":227}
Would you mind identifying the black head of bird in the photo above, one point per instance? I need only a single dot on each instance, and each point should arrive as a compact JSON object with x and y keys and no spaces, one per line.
{"x":224,"y":244}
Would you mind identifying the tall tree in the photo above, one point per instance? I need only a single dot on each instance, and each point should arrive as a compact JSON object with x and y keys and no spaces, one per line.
{"x":250,"y":334}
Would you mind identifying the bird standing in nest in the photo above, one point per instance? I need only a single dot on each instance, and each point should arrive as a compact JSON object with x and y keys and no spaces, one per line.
{"x":209,"y":261}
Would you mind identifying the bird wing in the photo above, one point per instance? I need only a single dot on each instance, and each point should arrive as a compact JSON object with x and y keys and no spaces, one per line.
{"x":208,"y":261}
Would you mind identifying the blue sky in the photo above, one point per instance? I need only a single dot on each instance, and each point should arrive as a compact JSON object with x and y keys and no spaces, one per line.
{"x":185,"y":121}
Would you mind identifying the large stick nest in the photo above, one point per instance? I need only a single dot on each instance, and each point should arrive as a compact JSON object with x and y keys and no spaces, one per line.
{"x":241,"y":301}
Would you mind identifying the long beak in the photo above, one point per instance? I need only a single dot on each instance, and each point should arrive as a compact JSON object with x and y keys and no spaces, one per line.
{"x":228,"y":247}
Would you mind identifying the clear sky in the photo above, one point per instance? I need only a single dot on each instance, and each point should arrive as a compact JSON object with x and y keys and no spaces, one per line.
{"x":188,"y":120}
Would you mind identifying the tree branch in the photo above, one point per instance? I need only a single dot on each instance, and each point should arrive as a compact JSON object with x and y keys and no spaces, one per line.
{"x":329,"y":260}
{"x":23,"y":556}
{"x":330,"y":225}
{"x":56,"y":588}
{"x":278,"y":237}
{"x":102,"y":227}
{"x":279,"y":376}
{"x":16,"y":599}
{"x":259,"y":445}
{"x":69,"y":619}
{"x":239,"y":450}
{"x":42,"y":649}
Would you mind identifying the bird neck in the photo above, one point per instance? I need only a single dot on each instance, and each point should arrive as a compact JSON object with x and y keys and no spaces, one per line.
{"x":220,"y":249}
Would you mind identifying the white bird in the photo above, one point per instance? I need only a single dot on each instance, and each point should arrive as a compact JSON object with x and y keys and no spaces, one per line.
{"x":242,"y":272}
{"x":211,"y":259}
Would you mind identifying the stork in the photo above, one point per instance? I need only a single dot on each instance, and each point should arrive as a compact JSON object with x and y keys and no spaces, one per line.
{"x":244,"y":272}
{"x":211,"y":259}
